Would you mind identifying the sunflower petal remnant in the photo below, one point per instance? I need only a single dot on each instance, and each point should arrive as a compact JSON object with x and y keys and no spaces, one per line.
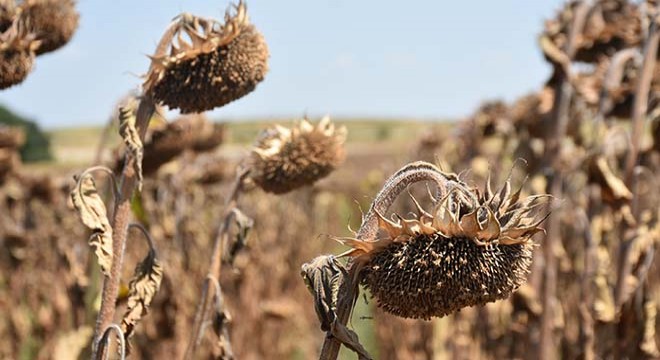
{"x":17,"y":54}
{"x":7,"y":13}
{"x":285,"y":159}
{"x":201,"y":63}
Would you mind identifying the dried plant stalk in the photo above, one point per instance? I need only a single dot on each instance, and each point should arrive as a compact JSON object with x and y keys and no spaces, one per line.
{"x":204,"y":304}
{"x":120,"y":222}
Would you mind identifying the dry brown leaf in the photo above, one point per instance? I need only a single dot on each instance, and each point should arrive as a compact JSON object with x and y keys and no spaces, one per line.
{"x":323,"y":277}
{"x":142,"y":288}
{"x":243,"y":226}
{"x":614,"y":190}
{"x":92,"y":212}
{"x":221,"y":320}
{"x":131,"y":138}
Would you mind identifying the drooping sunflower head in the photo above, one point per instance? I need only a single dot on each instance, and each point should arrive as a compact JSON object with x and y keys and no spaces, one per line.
{"x":471,"y":249}
{"x":17,"y":52}
{"x":53,"y":21}
{"x":201,"y":64}
{"x":284,"y":159}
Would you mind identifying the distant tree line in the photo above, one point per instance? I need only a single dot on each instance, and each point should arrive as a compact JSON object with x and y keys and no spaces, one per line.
{"x":37,"y":143}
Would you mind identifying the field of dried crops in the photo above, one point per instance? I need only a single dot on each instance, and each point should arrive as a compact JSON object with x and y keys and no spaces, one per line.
{"x":528,"y":230}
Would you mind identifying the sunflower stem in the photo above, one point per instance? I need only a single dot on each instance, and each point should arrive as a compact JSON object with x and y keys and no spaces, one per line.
{"x":563,"y":97}
{"x":215,"y":267}
{"x":120,"y":221}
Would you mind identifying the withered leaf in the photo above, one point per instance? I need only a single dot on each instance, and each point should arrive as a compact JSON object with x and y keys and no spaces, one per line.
{"x":324,"y":277}
{"x":614,"y":190}
{"x":243,"y":224}
{"x":221,"y":318}
{"x":141,"y":290}
{"x":92,"y":212}
{"x":131,"y":138}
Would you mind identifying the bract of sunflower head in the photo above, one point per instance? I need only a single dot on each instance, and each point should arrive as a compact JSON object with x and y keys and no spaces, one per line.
{"x":17,"y":53}
{"x":471,"y":248}
{"x":201,"y":63}
{"x":7,"y":13}
{"x":284,"y":159}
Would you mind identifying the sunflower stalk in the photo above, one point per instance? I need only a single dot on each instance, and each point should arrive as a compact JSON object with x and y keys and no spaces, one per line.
{"x":221,"y":237}
{"x":622,"y":293}
{"x":564,"y":94}
{"x":120,"y":222}
{"x":640,"y":108}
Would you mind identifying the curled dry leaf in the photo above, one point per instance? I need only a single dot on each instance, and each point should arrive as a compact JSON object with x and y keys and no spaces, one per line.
{"x":221,"y":318}
{"x":141,"y":290}
{"x":324,"y":277}
{"x":131,"y":138}
{"x":92,"y":212}
{"x":614,"y":190}
{"x":243,"y":226}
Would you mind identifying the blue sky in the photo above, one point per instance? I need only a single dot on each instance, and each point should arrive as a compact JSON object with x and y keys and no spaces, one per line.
{"x":425,"y":59}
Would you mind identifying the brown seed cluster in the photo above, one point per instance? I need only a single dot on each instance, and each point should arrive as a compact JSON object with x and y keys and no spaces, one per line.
{"x":17,"y":53}
{"x":285,"y":159}
{"x":470,"y":250}
{"x":431,"y":275}
{"x":53,"y":22}
{"x":222,"y":63}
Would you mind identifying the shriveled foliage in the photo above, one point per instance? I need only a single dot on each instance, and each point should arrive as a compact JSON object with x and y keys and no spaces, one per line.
{"x":91,"y":210}
{"x":142,"y":288}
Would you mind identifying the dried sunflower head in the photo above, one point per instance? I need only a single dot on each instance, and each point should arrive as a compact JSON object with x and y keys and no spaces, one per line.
{"x":285,"y":159}
{"x":17,"y":52}
{"x":220,"y":64}
{"x":53,"y":21}
{"x":194,"y":132}
{"x":610,"y":26}
{"x":471,"y":249}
